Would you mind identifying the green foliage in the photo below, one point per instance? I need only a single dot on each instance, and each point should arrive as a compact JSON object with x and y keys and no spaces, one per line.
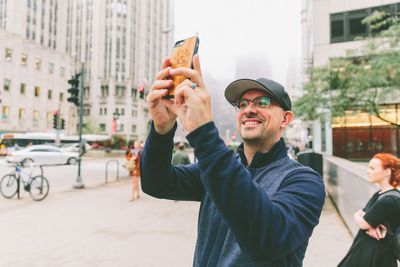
{"x":91,"y":126}
{"x":360,"y":81}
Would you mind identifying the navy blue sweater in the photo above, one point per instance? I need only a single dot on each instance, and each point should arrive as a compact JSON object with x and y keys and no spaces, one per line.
{"x":260,"y":214}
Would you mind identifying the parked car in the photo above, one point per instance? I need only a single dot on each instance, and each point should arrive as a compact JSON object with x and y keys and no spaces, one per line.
{"x":74,"y":147}
{"x":43,"y":155}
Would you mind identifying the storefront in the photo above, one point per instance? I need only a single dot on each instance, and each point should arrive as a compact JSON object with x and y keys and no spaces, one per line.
{"x":358,"y":136}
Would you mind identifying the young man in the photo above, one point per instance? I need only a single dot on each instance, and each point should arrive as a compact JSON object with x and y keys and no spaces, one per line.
{"x":258,"y":207}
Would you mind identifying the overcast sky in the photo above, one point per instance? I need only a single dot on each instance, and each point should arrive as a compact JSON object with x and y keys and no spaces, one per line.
{"x":229,"y":29}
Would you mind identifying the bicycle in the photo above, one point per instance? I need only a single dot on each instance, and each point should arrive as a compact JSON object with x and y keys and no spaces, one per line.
{"x":37,"y":186}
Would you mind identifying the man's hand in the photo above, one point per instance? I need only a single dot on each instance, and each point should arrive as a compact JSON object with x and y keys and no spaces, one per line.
{"x":164,"y":118}
{"x":192,"y":106}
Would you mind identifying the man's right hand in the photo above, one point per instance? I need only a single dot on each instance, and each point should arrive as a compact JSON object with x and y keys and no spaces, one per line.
{"x":164,"y":118}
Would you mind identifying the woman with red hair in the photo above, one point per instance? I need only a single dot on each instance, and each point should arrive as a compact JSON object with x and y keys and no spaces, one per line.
{"x":381,"y":215}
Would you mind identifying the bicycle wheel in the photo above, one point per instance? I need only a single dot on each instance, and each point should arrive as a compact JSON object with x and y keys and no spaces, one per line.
{"x":39,"y":187}
{"x":8,"y":185}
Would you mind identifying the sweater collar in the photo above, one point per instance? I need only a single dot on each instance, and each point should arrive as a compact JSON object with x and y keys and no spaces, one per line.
{"x":260,"y":159}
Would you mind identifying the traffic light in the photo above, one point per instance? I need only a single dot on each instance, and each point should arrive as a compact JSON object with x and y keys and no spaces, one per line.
{"x":55,"y":120}
{"x":62,"y":124}
{"x":74,"y":90}
{"x":141,"y":92}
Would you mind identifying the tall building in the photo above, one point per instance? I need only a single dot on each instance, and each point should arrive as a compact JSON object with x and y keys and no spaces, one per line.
{"x":120,"y":43}
{"x":33,"y":70}
{"x":329,"y":29}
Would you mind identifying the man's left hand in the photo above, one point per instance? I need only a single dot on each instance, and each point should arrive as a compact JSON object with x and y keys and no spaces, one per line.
{"x":192,"y":105}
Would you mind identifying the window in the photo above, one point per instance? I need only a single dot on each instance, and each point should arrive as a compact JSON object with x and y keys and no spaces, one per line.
{"x":37,"y":63}
{"x":21,"y":113}
{"x":133,"y":128}
{"x":24,"y":59}
{"x":346,"y":26}
{"x":122,"y":111}
{"x":35,"y":115}
{"x":102,"y":127}
{"x":51,"y":68}
{"x":49,"y":94}
{"x":104,"y":90}
{"x":62,"y":71}
{"x":101,"y":111}
{"x":37,"y":91}
{"x":356,"y":27}
{"x":105,"y":111}
{"x":133,"y":93}
{"x":4,"y":112}
{"x":22,"y":88}
{"x":121,"y":127}
{"x":7,"y":85}
{"x":8,"y":55}
{"x":61,"y":97}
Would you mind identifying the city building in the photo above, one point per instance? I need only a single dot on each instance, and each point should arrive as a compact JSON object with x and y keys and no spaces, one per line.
{"x":329,"y":28}
{"x":119,"y":43}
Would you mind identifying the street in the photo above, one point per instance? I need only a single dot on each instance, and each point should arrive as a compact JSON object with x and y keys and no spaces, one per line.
{"x":98,"y":226}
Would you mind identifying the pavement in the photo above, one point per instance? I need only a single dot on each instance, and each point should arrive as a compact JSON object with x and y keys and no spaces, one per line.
{"x":98,"y":226}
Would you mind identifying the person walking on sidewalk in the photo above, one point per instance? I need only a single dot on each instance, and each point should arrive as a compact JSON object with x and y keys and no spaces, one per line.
{"x":371,"y":246}
{"x":136,"y":153}
{"x":258,"y":207}
{"x":180,"y":156}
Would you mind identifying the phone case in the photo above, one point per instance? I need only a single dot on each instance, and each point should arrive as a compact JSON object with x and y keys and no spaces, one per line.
{"x":182,"y":56}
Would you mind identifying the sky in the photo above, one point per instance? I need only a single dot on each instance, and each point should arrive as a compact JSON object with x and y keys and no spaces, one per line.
{"x":268,"y":30}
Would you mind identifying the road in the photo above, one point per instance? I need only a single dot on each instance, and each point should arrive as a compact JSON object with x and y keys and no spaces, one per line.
{"x":98,"y":226}
{"x":63,"y":177}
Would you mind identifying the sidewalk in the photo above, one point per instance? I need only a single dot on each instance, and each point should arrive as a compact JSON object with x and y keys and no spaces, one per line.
{"x":98,"y":226}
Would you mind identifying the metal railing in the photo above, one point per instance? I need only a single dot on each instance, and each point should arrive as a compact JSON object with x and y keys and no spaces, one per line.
{"x":107,"y":163}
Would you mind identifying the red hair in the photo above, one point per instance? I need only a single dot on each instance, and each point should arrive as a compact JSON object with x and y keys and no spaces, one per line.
{"x":393,"y":163}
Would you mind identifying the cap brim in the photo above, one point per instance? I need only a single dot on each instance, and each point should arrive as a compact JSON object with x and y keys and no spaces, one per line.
{"x":237,"y":88}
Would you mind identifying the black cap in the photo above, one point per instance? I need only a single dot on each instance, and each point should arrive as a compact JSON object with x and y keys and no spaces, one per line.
{"x":237,"y":88}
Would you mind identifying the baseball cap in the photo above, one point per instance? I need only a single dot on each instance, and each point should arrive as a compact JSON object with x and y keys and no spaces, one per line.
{"x":237,"y":88}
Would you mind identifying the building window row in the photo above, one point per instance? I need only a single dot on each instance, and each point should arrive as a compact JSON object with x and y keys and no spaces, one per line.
{"x":346,"y":26}
{"x":5,"y":113}
{"x":38,"y":62}
{"x":36,"y":92}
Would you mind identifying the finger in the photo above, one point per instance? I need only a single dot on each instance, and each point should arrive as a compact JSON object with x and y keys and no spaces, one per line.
{"x":196,"y":64}
{"x":182,"y":92}
{"x":166,"y":63}
{"x":156,"y":94}
{"x":161,"y":84}
{"x":378,"y":233}
{"x":163,"y":74}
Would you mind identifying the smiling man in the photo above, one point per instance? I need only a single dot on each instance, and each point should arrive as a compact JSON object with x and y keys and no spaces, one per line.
{"x":258,"y":207}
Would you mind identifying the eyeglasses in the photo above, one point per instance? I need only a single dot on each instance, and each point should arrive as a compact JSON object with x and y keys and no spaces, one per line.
{"x":258,"y":102}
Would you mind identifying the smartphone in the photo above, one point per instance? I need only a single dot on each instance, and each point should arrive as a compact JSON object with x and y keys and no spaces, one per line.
{"x":182,"y":56}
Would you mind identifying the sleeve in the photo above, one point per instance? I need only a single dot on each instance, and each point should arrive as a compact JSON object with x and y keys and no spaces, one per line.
{"x":266,"y":229}
{"x":159,"y":178}
{"x":382,"y":210}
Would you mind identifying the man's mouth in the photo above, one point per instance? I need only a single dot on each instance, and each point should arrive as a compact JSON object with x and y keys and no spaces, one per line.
{"x":251,"y":123}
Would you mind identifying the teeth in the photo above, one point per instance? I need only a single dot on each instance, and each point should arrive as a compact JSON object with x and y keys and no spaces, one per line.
{"x":250,"y":123}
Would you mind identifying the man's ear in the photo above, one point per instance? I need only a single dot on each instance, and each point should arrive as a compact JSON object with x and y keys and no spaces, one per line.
{"x":288,"y":117}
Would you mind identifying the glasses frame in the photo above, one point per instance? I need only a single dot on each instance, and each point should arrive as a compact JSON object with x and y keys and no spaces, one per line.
{"x":247,"y":101}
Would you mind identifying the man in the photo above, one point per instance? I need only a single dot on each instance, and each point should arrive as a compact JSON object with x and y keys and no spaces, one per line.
{"x":180,"y":156}
{"x":258,"y":208}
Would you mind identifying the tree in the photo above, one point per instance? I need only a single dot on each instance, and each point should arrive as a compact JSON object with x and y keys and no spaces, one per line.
{"x":91,"y":126}
{"x":360,"y":82}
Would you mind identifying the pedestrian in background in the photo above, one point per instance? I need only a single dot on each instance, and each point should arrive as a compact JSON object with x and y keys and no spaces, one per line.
{"x":136,"y":153}
{"x":180,"y":156}
{"x":381,"y":216}
{"x":258,"y":207}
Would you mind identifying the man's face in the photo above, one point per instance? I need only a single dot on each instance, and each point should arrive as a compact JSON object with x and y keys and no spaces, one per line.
{"x":260,"y":125}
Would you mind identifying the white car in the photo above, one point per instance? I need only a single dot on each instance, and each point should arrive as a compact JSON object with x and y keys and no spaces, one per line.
{"x":43,"y":155}
{"x":74,"y":147}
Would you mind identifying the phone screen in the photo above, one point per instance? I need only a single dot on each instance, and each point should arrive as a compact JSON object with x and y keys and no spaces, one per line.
{"x":182,"y":56}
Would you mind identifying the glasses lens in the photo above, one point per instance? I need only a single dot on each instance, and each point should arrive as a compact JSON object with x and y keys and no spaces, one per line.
{"x":242,"y":103}
{"x":262,"y":102}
